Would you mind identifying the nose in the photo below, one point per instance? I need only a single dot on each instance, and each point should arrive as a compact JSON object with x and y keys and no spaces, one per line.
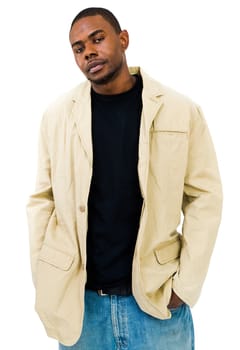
{"x":90,"y":51}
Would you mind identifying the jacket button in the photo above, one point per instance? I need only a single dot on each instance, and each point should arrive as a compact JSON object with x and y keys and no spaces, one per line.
{"x":82,"y":208}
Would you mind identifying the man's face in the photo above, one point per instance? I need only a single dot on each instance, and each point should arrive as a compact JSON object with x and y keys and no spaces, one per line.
{"x":98,"y":49}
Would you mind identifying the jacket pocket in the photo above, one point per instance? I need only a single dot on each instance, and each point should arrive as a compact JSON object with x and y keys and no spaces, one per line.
{"x":168,"y":158}
{"x":168,"y":250}
{"x":55,"y":258}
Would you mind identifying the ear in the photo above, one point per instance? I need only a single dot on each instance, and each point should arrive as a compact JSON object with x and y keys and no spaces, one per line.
{"x":124,"y":39}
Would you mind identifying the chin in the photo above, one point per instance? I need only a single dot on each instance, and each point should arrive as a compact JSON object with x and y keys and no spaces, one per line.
{"x":99,"y":81}
{"x":105,"y":78}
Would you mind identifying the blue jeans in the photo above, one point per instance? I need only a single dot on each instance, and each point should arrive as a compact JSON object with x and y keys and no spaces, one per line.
{"x":117,"y":323}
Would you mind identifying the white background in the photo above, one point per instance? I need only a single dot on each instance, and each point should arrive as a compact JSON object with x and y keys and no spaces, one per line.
{"x":192,"y":46}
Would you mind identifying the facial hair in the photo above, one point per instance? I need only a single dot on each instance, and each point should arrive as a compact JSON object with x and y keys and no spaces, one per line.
{"x":110,"y":76}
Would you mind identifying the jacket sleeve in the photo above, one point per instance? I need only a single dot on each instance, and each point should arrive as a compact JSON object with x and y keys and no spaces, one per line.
{"x":41,"y":203}
{"x":202,"y":204}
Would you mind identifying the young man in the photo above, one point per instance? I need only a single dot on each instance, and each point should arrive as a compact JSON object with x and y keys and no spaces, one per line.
{"x":121,"y":156}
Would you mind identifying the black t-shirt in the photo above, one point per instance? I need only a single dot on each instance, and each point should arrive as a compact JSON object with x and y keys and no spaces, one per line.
{"x":115,"y":200}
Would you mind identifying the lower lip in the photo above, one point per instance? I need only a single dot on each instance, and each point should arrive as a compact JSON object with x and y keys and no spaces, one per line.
{"x":96,"y":69}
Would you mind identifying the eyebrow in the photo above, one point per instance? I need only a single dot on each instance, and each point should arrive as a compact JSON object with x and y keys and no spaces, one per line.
{"x":91,"y":35}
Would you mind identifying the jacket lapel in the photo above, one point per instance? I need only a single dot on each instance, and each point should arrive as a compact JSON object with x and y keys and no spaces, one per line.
{"x":152,"y":102}
{"x":83,"y":119}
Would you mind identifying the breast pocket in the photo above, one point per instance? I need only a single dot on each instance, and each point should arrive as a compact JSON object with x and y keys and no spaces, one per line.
{"x":168,"y":153}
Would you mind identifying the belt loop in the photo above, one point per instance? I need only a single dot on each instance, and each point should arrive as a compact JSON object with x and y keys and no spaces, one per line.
{"x":100,"y":293}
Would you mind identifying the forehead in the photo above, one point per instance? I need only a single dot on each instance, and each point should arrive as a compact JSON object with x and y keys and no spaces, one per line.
{"x":87,"y":25}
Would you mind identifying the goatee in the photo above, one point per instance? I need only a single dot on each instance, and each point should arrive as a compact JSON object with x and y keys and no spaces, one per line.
{"x":108,"y":77}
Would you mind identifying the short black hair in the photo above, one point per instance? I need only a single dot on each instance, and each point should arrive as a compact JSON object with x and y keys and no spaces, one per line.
{"x":94,"y":11}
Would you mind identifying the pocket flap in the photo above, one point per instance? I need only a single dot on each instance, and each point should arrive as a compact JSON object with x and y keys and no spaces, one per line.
{"x":55,"y":257}
{"x":168,"y":250}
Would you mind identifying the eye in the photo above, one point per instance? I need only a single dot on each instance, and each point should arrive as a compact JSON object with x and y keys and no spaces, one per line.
{"x":78,"y":50}
{"x":98,"y":39}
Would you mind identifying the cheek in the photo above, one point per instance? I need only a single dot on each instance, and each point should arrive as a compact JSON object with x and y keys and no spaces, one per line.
{"x":79,"y":62}
{"x":118,"y":53}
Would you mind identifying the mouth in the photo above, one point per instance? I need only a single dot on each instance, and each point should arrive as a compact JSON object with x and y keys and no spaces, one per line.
{"x":95,"y":66}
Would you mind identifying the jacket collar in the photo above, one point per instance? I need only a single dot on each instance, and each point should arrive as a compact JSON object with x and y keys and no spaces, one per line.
{"x":151,"y":88}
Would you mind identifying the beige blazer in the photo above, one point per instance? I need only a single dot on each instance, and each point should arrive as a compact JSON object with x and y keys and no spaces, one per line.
{"x":178,"y":172}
